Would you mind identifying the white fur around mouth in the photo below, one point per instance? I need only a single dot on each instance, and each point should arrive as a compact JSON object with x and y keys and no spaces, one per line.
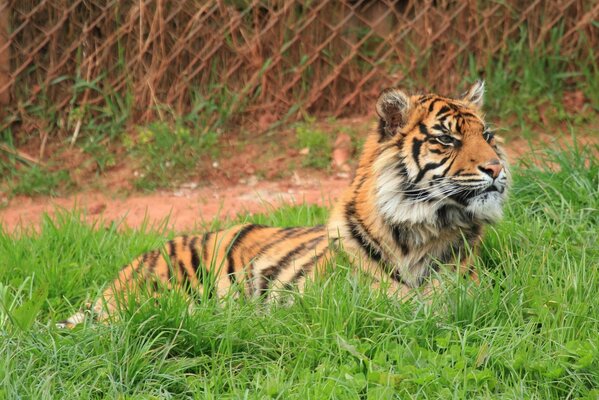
{"x":486,"y":206}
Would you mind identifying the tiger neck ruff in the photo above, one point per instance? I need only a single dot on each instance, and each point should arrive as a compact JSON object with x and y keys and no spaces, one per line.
{"x":428,"y":179}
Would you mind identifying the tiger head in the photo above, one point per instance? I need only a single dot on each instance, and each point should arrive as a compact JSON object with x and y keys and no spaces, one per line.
{"x":437,"y":154}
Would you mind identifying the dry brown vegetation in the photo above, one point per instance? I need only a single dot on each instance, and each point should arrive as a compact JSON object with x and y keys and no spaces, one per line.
{"x":268,"y":59}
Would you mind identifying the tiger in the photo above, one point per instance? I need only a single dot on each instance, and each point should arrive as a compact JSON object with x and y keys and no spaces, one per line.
{"x":430,"y":176}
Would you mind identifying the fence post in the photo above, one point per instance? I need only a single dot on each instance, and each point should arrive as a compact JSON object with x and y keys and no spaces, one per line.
{"x":4,"y":52}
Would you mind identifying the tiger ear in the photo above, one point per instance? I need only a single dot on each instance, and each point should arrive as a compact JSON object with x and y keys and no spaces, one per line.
{"x":475,"y":94}
{"x":392,"y":107}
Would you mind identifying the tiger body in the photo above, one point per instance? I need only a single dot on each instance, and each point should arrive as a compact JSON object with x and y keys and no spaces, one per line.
{"x":255,"y":259}
{"x":428,"y":180}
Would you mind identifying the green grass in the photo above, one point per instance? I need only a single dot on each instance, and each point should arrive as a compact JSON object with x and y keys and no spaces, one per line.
{"x":317,"y":142}
{"x":167,"y":155}
{"x":522,"y":83}
{"x":33,"y":180}
{"x":529,"y":331}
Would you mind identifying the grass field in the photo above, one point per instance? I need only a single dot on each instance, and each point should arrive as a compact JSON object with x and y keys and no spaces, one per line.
{"x":529,"y":331}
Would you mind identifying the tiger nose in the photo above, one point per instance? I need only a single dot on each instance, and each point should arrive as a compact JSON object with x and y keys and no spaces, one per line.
{"x":491,"y":168}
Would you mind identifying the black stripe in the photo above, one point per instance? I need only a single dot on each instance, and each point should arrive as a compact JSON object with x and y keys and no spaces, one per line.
{"x":243,"y":232}
{"x":399,"y":144}
{"x":443,"y":217}
{"x":172,"y":252}
{"x":306,"y":268}
{"x":416,"y":144}
{"x":184,"y":240}
{"x":288,"y":233}
{"x":360,"y":182}
{"x":425,"y":98}
{"x":441,"y":128}
{"x":195,"y":258}
{"x":460,"y":125}
{"x":359,"y":231}
{"x":423,"y":129}
{"x":468,"y":114}
{"x":395,"y":275}
{"x":432,"y":105}
{"x":202,"y":274}
{"x":172,"y":249}
{"x":402,"y":170}
{"x":284,"y":233}
{"x":473,"y":234}
{"x":443,"y":110}
{"x":142,"y":263}
{"x":153,"y":261}
{"x":184,"y":277}
{"x":205,"y":238}
{"x":429,"y":167}
{"x":410,"y":191}
{"x":449,"y":166}
{"x":401,"y":237}
{"x":271,"y":273}
{"x":185,"y":281}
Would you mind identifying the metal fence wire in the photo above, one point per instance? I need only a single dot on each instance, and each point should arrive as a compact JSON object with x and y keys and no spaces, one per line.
{"x":256,"y":58}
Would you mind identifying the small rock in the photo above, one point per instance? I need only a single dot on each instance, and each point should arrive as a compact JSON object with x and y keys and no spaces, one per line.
{"x":215,"y":164}
{"x":305,"y":151}
{"x":97,"y":209}
{"x":190,"y":185}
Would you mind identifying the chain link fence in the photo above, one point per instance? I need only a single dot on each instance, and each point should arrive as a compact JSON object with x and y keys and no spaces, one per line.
{"x":270,"y":59}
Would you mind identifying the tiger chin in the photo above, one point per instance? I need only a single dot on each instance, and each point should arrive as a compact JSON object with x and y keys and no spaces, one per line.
{"x":430,"y":177}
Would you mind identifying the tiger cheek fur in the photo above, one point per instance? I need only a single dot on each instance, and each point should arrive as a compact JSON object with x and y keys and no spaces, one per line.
{"x":427,"y":181}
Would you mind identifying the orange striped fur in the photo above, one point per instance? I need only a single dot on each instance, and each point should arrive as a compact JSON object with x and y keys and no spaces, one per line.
{"x":429,"y":178}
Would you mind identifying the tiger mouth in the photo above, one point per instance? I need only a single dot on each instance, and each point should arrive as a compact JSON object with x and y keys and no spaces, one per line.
{"x":468,"y":195}
{"x":490,"y":189}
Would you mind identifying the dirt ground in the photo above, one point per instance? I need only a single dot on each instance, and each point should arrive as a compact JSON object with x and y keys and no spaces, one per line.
{"x":187,"y":207}
{"x":193,"y":204}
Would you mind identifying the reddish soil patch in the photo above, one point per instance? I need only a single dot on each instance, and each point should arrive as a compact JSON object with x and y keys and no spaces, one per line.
{"x":186,"y":208}
{"x":233,"y":188}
